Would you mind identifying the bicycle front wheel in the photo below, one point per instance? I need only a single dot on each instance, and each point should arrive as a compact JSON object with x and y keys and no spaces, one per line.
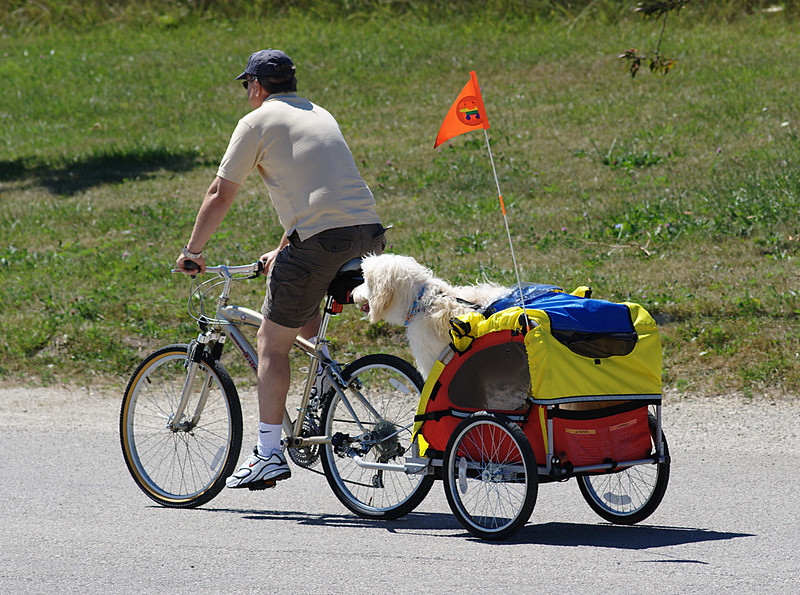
{"x":375,"y":425}
{"x":180,"y":463}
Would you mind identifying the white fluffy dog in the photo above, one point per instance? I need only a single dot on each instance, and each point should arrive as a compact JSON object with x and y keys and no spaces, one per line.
{"x":399,"y":290}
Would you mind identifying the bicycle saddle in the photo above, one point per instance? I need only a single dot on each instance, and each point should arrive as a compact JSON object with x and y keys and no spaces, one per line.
{"x":347,"y":278}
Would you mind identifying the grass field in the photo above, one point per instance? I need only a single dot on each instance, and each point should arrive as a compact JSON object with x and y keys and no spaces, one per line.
{"x":680,"y":192}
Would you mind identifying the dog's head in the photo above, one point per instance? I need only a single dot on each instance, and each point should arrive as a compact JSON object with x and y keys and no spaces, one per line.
{"x":391,"y":284}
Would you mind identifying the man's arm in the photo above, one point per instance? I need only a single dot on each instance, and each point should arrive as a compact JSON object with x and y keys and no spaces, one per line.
{"x":218,"y":200}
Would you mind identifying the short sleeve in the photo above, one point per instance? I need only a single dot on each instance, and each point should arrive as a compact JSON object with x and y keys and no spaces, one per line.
{"x":241,"y":155}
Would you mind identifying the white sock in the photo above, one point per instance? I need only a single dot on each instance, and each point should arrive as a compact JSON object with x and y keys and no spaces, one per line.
{"x":269,"y":438}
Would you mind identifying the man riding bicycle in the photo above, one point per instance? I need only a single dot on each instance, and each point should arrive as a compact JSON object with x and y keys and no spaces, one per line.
{"x":328,"y":215}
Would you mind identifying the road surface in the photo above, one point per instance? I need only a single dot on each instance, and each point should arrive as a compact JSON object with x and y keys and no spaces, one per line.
{"x":73,"y":521}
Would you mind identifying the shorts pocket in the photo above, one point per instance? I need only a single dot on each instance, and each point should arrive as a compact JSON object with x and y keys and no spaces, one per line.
{"x":378,"y":243}
{"x":288,"y":294}
{"x":335,"y":243}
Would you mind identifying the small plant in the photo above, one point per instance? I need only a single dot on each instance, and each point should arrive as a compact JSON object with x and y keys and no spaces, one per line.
{"x":657,"y":63}
{"x":627,"y":158}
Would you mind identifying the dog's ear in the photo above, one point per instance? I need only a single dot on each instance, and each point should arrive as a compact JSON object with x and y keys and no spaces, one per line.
{"x":380,"y":299}
{"x":377,"y":278}
{"x":360,"y":294}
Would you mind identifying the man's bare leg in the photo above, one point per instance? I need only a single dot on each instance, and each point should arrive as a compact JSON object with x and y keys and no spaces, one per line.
{"x":268,"y":464}
{"x":312,"y":327}
{"x":274,"y":375}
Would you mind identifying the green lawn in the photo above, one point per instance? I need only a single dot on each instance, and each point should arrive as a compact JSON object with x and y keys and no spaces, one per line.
{"x":680,"y":192}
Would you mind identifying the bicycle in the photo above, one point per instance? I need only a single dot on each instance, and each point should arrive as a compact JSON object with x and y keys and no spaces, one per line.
{"x":181,"y":418}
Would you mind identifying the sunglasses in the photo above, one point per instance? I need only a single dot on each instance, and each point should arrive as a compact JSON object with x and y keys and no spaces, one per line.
{"x":247,"y":82}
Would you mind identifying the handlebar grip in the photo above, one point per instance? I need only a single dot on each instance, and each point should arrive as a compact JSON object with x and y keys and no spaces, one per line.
{"x":191,"y":265}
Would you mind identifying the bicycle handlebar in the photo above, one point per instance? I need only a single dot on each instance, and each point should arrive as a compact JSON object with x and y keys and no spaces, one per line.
{"x":255,"y":268}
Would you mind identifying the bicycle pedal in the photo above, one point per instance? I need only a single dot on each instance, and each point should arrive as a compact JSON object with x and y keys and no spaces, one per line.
{"x":264,"y":484}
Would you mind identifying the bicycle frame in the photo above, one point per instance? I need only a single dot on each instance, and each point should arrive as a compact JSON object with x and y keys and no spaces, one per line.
{"x":227,"y":322}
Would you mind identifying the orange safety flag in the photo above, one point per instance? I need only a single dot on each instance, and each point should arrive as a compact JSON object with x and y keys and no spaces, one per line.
{"x":467,"y":113}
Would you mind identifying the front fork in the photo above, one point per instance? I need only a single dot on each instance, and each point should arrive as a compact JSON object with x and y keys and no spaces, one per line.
{"x":179,"y":422}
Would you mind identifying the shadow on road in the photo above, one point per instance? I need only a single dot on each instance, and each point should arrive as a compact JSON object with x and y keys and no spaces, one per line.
{"x":636,"y":537}
{"x":411,"y":522}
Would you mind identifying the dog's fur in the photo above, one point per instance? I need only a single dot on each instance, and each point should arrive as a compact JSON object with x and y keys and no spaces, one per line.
{"x":392,"y":284}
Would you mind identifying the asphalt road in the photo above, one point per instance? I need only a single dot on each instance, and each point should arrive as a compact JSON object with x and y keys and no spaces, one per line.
{"x":72,"y":520}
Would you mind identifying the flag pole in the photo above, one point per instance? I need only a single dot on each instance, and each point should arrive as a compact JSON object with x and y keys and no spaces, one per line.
{"x":454,"y":125}
{"x":505,"y":219}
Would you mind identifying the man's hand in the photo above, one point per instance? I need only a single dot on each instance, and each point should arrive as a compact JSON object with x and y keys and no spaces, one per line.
{"x":185,"y":265}
{"x":269,"y":259}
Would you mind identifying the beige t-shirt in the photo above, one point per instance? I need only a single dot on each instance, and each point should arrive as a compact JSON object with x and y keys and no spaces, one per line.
{"x":308,"y":168}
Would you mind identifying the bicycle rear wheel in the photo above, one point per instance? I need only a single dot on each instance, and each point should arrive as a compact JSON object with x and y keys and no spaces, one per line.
{"x":180,"y":467}
{"x":383,"y":392}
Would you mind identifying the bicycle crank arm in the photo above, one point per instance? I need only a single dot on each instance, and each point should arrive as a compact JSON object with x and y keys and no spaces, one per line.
{"x":301,"y":441}
{"x":337,"y":440}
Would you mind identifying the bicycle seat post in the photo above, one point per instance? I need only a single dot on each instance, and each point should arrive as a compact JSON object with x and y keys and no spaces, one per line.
{"x":327,"y":312}
{"x":313,"y":350}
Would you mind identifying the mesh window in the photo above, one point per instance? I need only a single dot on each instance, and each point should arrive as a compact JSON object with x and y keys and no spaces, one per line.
{"x":494,"y":378}
{"x":597,"y":344}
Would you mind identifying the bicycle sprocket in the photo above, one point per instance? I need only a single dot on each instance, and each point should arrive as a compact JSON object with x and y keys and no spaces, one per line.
{"x":306,"y":456}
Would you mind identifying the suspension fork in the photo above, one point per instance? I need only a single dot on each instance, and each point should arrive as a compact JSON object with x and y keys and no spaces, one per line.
{"x":193,"y":363}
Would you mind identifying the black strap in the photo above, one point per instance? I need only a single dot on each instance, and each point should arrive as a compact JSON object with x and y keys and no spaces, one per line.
{"x":435,"y":391}
{"x":432,"y":415}
{"x":585,"y":414}
{"x":462,"y":328}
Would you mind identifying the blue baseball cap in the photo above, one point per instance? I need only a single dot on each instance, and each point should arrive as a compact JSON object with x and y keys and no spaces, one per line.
{"x":269,"y":64}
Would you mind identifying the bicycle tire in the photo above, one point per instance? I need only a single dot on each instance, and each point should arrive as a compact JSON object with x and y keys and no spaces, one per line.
{"x":631,"y":495}
{"x":392,"y":387}
{"x":184,"y":468}
{"x":490,"y":476}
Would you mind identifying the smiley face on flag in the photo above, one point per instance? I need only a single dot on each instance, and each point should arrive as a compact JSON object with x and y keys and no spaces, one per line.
{"x":468,"y":112}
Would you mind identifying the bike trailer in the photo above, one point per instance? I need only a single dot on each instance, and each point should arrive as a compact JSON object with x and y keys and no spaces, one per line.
{"x":576,"y":373}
